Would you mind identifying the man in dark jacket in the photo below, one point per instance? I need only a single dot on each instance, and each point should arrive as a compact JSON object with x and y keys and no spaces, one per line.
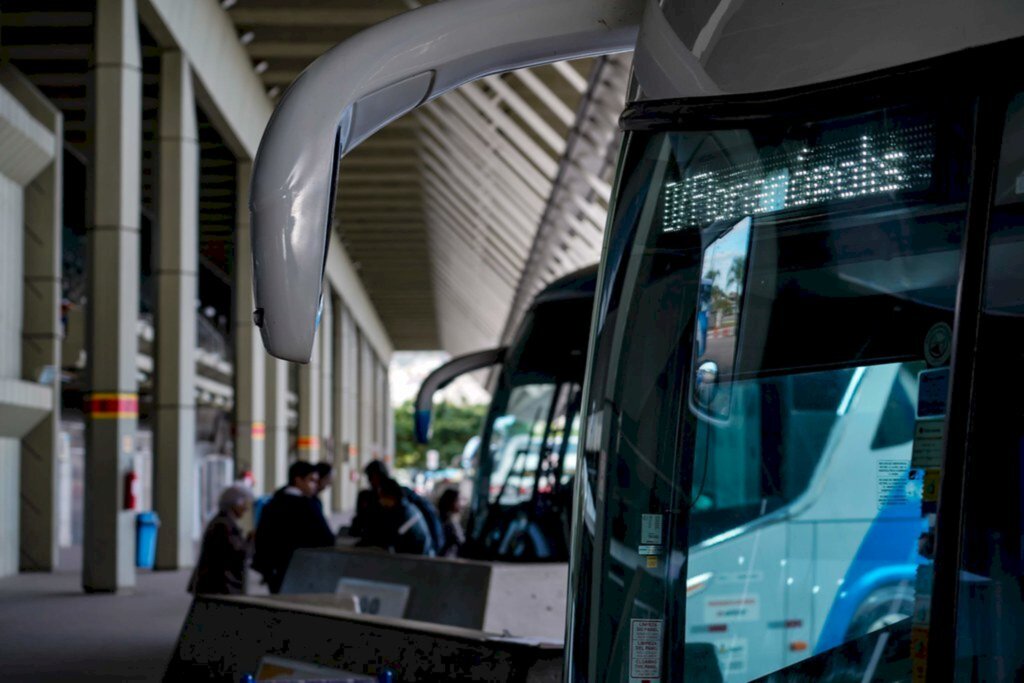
{"x":291,"y":520}
{"x":225,"y":548}
{"x":377,"y":473}
{"x":406,"y":529}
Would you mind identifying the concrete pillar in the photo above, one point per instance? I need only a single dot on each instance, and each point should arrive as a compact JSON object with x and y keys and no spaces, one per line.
{"x":380,"y":409}
{"x":250,"y":358}
{"x":275,"y":453}
{"x":328,"y":442}
{"x":389,"y":417}
{"x":28,"y":150}
{"x":113,"y":272}
{"x":367,"y":450}
{"x":176,"y":280}
{"x":346,"y":408}
{"x":40,"y":332}
{"x":342,"y":475}
{"x":308,"y":445}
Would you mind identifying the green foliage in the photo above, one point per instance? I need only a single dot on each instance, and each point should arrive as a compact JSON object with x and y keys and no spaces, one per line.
{"x":454,"y":425}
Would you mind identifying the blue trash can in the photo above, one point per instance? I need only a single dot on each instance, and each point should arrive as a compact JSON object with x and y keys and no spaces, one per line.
{"x":146,"y":526}
{"x":257,"y":508}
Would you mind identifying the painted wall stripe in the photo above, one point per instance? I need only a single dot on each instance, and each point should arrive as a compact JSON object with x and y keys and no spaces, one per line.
{"x":112,"y":406}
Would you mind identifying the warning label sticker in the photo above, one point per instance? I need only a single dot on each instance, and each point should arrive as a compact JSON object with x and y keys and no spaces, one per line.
{"x":726,"y":608}
{"x":645,"y":641}
{"x":930,"y":491}
{"x":890,"y":476}
{"x":928,"y":437}
{"x":650,"y":529}
{"x":932,"y":388}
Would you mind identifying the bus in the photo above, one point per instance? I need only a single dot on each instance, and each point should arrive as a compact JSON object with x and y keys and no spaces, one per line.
{"x":522,"y":480}
{"x":795,"y":460}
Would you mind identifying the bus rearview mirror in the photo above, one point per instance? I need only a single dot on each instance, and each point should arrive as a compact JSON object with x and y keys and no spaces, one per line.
{"x":442,"y":377}
{"x":361,"y":85}
{"x":723,"y":275}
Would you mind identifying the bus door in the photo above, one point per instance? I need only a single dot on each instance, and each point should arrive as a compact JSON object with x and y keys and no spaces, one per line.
{"x":769,"y":383}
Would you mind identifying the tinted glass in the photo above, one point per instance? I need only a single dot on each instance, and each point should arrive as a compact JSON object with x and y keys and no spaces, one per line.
{"x":990,"y":628}
{"x":740,"y":519}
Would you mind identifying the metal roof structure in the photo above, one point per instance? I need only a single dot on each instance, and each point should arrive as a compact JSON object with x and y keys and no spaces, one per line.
{"x":440,"y":211}
{"x":453,"y":215}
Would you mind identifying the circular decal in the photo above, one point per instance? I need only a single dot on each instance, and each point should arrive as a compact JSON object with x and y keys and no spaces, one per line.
{"x":938,"y":344}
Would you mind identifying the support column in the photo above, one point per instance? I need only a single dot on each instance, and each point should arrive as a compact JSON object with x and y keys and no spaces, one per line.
{"x":309,"y":405}
{"x":275,"y":453}
{"x":380,"y":409}
{"x":40,"y":334}
{"x":389,"y":418}
{"x":328,"y":442}
{"x":250,"y":358}
{"x":28,"y":152}
{"x":176,"y":280}
{"x":367,"y":451}
{"x":113,"y":285}
{"x":342,"y":471}
{"x":350,"y":409}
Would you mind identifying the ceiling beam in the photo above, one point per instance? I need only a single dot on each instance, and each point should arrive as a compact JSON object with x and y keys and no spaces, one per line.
{"x":475,"y":164}
{"x":554,"y":141}
{"x":42,"y":19}
{"x":530,"y":149}
{"x":290,"y":49}
{"x":495,"y":208}
{"x":552,"y":101}
{"x":572,"y":76}
{"x":288,"y":15}
{"x":477,"y":133}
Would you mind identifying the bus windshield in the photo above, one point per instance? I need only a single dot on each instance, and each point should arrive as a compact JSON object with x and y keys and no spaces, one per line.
{"x":773,"y":340}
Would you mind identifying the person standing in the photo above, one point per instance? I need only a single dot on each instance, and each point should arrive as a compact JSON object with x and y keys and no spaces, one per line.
{"x":405,"y":529}
{"x":450,"y":507}
{"x":377,"y":473}
{"x":325,"y":472}
{"x":225,"y":547}
{"x":291,"y":520}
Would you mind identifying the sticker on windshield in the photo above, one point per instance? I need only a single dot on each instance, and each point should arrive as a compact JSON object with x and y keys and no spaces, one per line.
{"x":650,"y":529}
{"x":938,"y":344}
{"x":890,"y":482}
{"x":645,"y":639}
{"x":928,"y":439}
{"x":930,"y":490}
{"x":932,"y":390}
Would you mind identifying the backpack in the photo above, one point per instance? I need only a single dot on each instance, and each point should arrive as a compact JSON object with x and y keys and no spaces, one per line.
{"x":430,"y":516}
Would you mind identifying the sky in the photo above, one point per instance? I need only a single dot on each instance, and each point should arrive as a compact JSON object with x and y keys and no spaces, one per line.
{"x":409,"y":369}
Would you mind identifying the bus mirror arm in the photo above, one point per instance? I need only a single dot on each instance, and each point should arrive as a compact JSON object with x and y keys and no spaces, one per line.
{"x":361,"y":85}
{"x":442,"y":377}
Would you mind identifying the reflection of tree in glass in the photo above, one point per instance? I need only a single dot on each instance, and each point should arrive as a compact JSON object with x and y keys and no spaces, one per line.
{"x":453,"y":426}
{"x":725,"y":297}
{"x":736,"y":273}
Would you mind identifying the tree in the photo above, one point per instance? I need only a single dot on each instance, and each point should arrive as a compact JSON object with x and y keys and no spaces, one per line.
{"x":453,"y":426}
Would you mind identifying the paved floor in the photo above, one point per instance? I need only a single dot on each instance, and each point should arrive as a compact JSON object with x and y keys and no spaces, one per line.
{"x":51,"y":631}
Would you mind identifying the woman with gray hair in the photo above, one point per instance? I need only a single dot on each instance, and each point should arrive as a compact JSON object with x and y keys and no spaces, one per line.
{"x":222,"y":559}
